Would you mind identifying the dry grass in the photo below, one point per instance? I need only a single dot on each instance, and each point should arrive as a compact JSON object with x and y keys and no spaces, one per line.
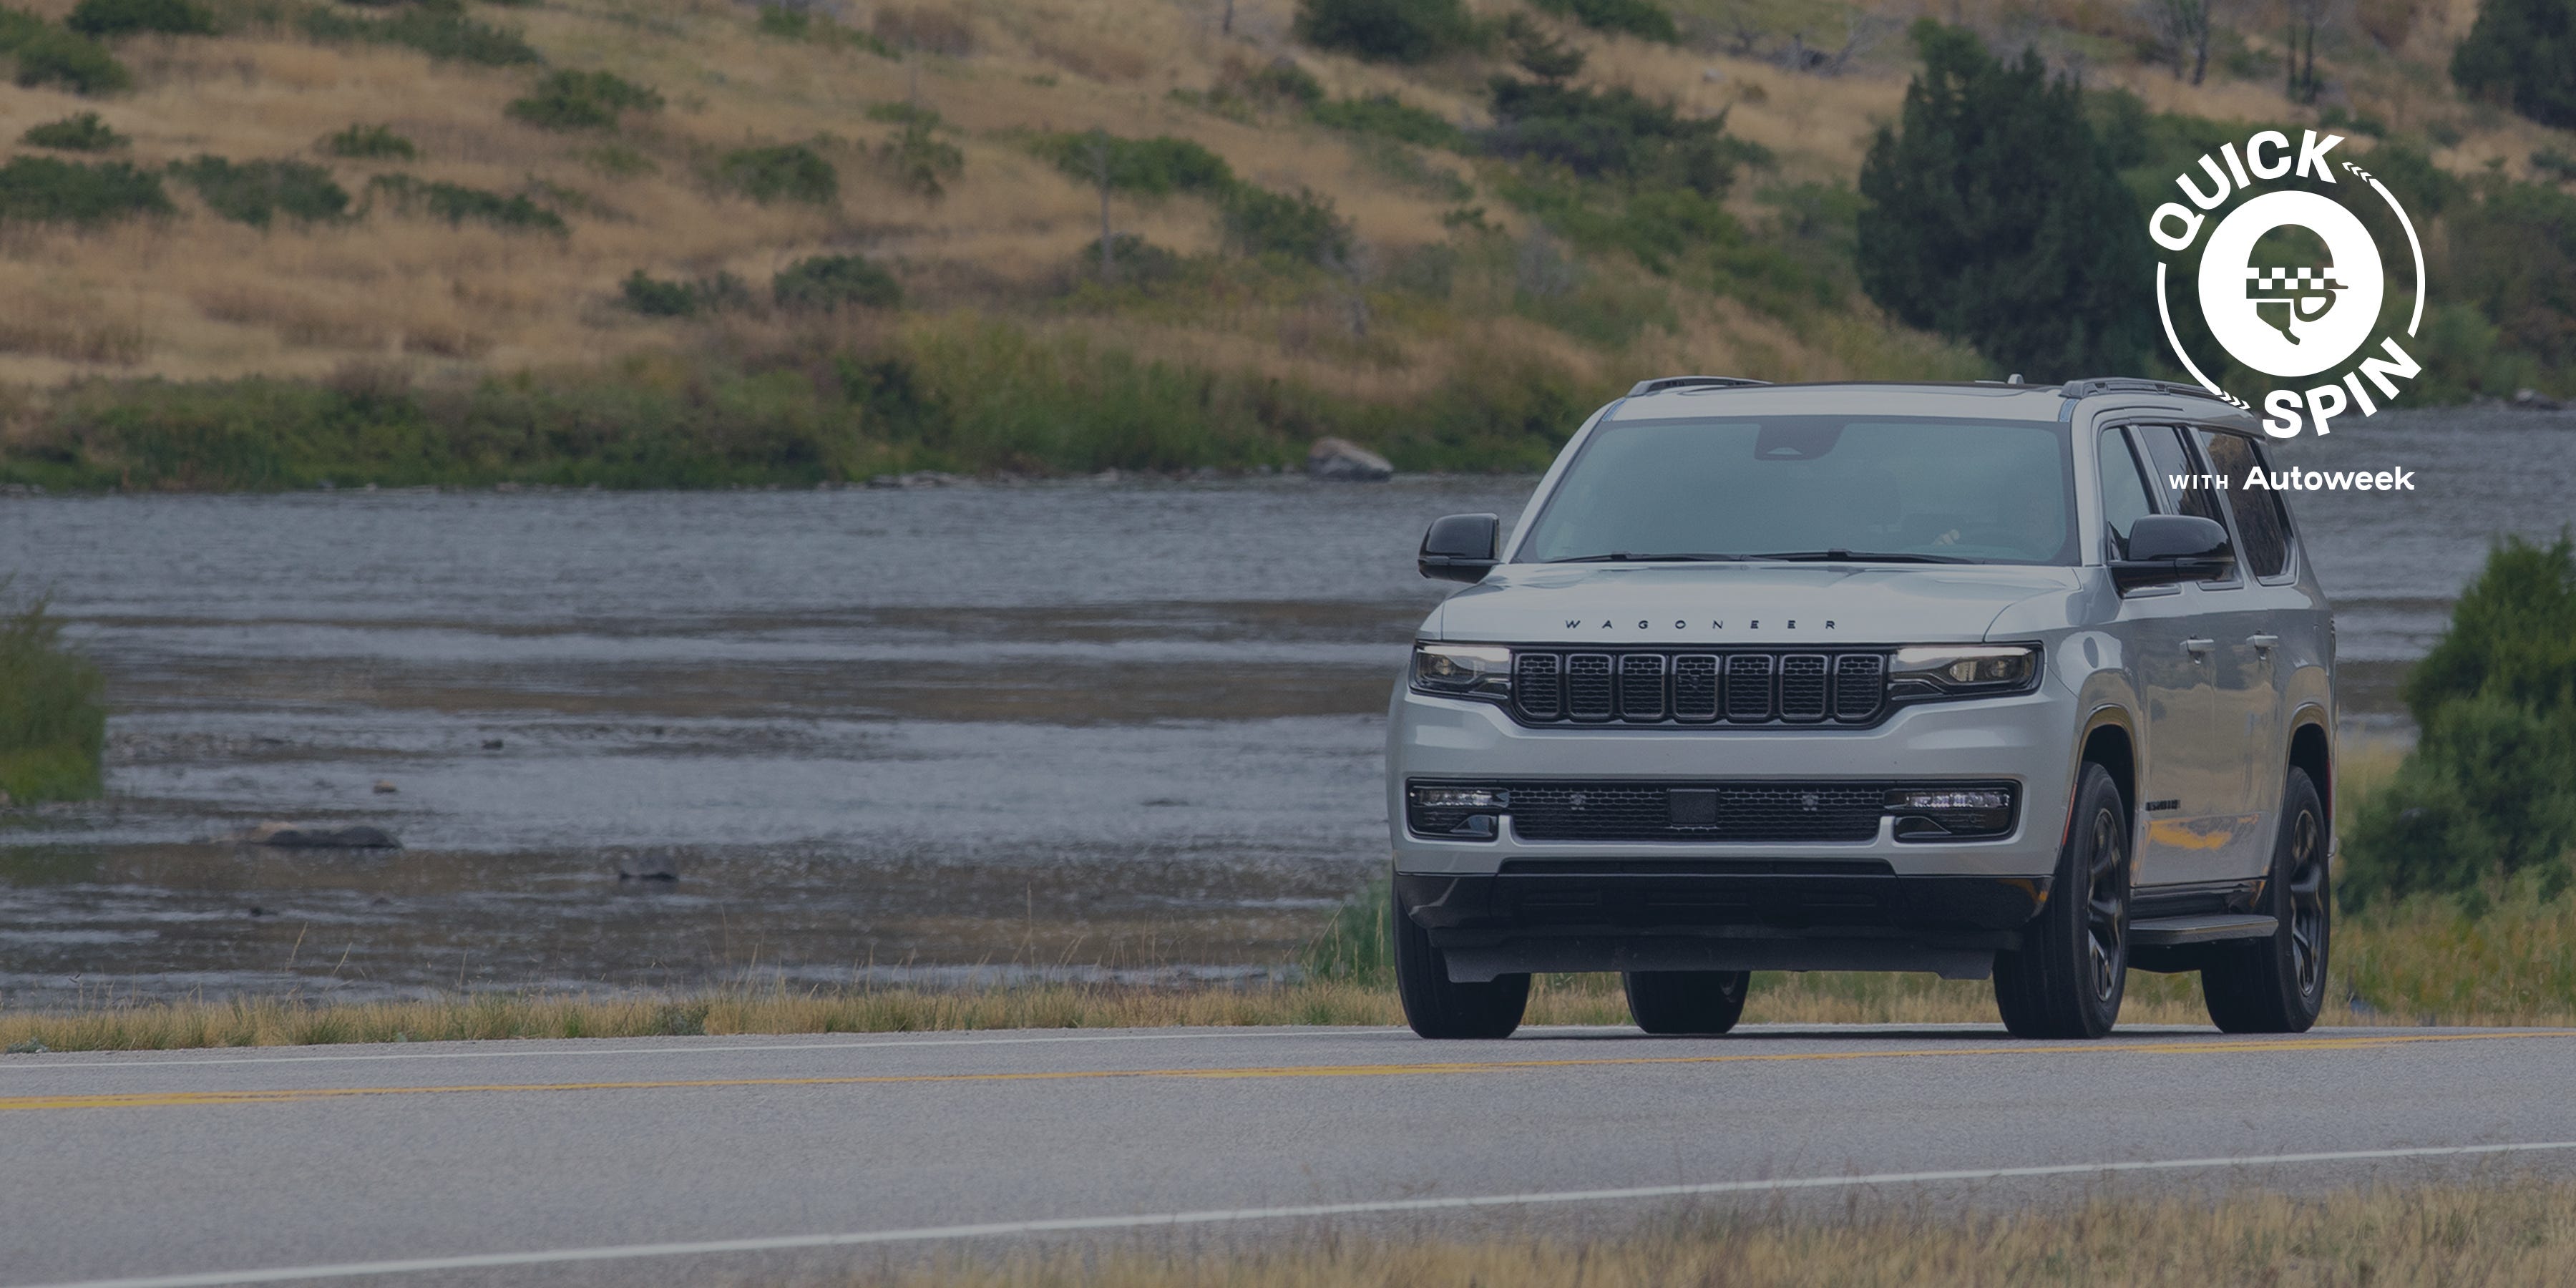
{"x":198,"y":297}
{"x":2506,"y":1231}
{"x":2426,"y":963}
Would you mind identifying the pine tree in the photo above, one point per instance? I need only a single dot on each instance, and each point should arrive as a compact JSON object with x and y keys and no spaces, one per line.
{"x":2522,"y":52}
{"x":1994,"y":216}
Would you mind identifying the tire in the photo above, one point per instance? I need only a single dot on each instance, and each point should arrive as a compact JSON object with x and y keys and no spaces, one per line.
{"x":1440,"y":1008}
{"x":2277,"y":984}
{"x":2067,"y":978}
{"x":1684,"y":1002}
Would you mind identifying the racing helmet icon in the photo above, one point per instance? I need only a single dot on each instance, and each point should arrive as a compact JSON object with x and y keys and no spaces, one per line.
{"x":2290,"y":298}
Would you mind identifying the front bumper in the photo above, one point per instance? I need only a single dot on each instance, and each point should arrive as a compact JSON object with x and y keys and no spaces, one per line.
{"x":2026,"y":739}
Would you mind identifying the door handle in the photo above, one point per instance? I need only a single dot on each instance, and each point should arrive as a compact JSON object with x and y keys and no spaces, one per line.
{"x":2198,"y":648}
{"x":2266,"y":643}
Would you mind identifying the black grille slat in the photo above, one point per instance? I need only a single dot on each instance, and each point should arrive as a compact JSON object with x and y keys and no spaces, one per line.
{"x":1802,"y":687}
{"x":1860,"y":684}
{"x":1538,"y":686}
{"x":1667,"y":686}
{"x":1641,"y":686}
{"x":1748,"y":687}
{"x":1587,"y":686}
{"x":1695,"y":687}
{"x":1632,"y":811}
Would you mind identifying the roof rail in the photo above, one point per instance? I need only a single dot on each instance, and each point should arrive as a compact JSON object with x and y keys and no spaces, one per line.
{"x":2133,"y":385}
{"x":1662,"y":383}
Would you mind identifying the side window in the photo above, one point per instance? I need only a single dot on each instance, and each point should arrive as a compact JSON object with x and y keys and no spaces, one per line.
{"x":2261,"y":523}
{"x":2124,"y":490}
{"x":2184,"y":482}
{"x":2188,"y":489}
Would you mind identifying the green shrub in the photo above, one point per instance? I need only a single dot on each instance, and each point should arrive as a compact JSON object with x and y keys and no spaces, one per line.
{"x":788,"y":172}
{"x":1394,"y":31}
{"x":568,"y":100}
{"x":50,"y":55}
{"x":456,"y":203}
{"x":921,"y":160}
{"x":81,"y":132}
{"x":1640,"y":18}
{"x":47,"y":189}
{"x":824,"y":283}
{"x":2522,"y":52}
{"x":369,"y":142}
{"x":2512,"y":635}
{"x":1157,"y":166}
{"x":1615,"y":133}
{"x":785,"y":22}
{"x":254,"y":192}
{"x":656,"y":299}
{"x":1392,"y":117}
{"x":2490,"y":789}
{"x":53,"y":709}
{"x":438,"y":32}
{"x":1284,"y":80}
{"x":2037,"y":266}
{"x":1299,"y":226}
{"x":119,"y":17}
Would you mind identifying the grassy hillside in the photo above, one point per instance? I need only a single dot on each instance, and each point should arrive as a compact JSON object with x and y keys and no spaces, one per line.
{"x":435,"y":277}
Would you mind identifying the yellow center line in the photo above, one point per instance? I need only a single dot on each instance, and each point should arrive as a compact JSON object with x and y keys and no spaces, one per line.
{"x":2221,"y":1046}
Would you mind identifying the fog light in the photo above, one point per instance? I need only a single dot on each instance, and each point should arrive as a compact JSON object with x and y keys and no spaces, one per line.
{"x":1950,"y":813}
{"x":1459,"y":798}
{"x":1928,"y":801}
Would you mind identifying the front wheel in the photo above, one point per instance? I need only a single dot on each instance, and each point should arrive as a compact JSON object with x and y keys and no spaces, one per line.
{"x":1678,"y":1003}
{"x":1439,"y":1007}
{"x":2067,"y":978}
{"x":2277,"y":984}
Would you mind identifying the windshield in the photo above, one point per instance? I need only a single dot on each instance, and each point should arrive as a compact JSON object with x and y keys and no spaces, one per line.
{"x":1814,"y":487}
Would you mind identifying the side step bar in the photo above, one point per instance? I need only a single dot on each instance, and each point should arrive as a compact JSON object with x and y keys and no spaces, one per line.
{"x":2202,"y":929}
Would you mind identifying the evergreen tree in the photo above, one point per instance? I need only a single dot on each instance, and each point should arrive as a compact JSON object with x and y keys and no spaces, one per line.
{"x":1994,"y":216}
{"x":2522,"y":52}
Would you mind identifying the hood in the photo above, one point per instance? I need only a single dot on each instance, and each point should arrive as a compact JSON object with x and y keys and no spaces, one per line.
{"x":1719,"y":603}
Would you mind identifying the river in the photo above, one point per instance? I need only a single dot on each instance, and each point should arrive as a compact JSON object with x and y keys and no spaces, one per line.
{"x":1123,"y":730}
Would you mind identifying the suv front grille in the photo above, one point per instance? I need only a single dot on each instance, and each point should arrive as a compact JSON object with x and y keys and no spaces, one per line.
{"x":1668,"y":686}
{"x":1628,"y":810}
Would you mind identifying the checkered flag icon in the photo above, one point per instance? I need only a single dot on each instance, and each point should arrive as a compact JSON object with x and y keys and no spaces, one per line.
{"x":2289,"y":283}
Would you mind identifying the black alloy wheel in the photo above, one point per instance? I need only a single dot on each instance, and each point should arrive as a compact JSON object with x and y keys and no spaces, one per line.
{"x":2068,"y":977}
{"x":1439,"y":1007}
{"x":2277,"y":984}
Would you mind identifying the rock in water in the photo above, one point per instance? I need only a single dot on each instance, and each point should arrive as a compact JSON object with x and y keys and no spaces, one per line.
{"x":652,"y":865}
{"x":1345,"y":461}
{"x":318,"y":836}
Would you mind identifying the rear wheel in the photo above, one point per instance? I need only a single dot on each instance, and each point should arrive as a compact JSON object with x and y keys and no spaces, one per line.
{"x":1679,"y":1002}
{"x":2067,"y":978}
{"x":1438,"y":1007}
{"x":2277,"y":984}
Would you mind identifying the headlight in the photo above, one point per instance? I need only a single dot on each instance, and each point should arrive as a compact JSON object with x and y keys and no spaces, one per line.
{"x":1932,"y":669}
{"x":1462,"y":670}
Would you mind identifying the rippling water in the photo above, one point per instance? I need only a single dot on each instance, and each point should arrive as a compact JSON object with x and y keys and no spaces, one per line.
{"x":1125,"y":729}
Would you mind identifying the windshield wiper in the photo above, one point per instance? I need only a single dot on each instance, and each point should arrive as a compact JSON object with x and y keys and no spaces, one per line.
{"x":1630,"y":556}
{"x":1839,"y":555}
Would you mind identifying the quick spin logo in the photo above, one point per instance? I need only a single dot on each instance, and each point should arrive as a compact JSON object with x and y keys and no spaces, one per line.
{"x":2293,"y":323}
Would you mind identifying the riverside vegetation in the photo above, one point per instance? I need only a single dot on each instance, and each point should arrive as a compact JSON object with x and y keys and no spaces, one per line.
{"x":53,"y":713}
{"x":265,"y":245}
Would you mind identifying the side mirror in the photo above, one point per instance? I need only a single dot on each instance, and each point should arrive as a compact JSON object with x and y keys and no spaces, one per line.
{"x":1461,"y":547}
{"x":2169,"y":548}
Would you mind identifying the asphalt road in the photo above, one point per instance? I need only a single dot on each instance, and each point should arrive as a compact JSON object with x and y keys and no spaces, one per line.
{"x":681,"y":1160}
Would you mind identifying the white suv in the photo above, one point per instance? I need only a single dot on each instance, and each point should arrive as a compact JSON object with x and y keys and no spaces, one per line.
{"x":1976,"y":679}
